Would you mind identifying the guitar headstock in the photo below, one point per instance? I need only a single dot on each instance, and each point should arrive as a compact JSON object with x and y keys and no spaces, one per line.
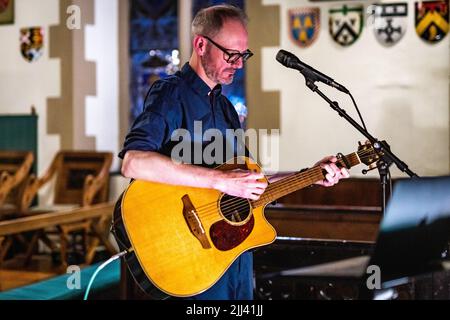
{"x":368,"y":155}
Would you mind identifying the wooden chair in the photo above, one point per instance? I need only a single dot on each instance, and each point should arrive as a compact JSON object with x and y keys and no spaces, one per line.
{"x":15,"y":168}
{"x":82,"y":179}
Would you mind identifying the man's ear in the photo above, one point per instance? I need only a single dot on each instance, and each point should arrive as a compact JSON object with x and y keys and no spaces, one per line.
{"x":199,"y":45}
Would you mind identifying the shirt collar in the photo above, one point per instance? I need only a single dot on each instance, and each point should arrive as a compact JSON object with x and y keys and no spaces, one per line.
{"x":217,"y":90}
{"x":197,"y":83}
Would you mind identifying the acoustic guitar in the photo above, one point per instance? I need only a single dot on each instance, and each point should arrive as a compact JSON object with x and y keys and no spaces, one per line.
{"x":181,"y":240}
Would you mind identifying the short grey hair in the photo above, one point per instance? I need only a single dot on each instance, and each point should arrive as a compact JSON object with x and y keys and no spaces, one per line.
{"x":209,"y":21}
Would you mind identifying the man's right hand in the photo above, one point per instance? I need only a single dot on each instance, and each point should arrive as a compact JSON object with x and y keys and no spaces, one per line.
{"x":241,"y":183}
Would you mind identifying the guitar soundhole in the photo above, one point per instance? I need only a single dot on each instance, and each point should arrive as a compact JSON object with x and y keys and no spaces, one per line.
{"x":234,"y":210}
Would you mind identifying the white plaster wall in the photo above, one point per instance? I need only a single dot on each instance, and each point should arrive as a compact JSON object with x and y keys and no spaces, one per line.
{"x":402,"y":92}
{"x":102,"y":47}
{"x":23,"y":84}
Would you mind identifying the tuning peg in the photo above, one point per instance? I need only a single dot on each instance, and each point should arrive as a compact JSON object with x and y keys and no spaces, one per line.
{"x":371,"y":167}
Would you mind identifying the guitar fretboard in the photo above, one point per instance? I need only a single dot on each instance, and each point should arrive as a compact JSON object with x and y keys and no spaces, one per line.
{"x":299,"y":181}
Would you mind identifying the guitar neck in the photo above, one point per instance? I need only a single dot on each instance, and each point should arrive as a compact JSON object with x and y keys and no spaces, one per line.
{"x":300,"y":180}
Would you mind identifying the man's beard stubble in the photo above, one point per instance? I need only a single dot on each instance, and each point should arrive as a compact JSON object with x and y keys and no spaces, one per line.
{"x":210,"y":71}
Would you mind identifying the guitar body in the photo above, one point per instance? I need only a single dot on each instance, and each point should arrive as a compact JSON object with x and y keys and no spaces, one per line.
{"x":181,"y":240}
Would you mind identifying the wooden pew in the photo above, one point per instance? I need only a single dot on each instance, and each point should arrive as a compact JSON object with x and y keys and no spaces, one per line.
{"x":348,"y":211}
{"x":44,"y":220}
{"x":92,"y":213}
{"x":82,"y":179}
{"x":336,"y":223}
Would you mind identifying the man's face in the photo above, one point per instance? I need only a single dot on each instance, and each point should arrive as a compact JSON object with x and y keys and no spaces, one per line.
{"x":233,"y":36}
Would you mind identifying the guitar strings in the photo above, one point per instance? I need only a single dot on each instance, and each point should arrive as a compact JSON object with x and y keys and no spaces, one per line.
{"x":280,"y":186}
{"x":288,"y":178}
{"x":242,"y":203}
{"x":287,"y":181}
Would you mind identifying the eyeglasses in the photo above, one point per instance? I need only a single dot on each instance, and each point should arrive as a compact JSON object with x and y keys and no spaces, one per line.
{"x":231,"y":56}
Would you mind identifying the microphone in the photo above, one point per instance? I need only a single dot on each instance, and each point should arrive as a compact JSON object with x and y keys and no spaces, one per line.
{"x":291,"y":61}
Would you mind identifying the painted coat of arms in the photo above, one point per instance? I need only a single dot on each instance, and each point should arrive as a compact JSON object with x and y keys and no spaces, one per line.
{"x":304,"y":26}
{"x":6,"y":11}
{"x":390,"y":22}
{"x":346,"y":24}
{"x":432,"y":21}
{"x":31,"y":43}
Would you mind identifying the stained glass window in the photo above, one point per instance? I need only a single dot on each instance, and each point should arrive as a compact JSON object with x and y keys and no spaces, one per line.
{"x":153,"y":46}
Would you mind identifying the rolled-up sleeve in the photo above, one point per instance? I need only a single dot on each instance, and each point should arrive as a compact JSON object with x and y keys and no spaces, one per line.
{"x":152,"y":129}
{"x":147,"y":133}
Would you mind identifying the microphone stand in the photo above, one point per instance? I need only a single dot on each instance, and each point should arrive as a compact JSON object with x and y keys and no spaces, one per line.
{"x":387,"y":157}
{"x":383,"y":169}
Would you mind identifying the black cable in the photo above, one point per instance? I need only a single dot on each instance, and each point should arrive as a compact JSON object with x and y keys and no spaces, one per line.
{"x":357,"y":110}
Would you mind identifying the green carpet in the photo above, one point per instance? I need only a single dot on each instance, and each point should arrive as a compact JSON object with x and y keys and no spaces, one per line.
{"x":57,"y":289}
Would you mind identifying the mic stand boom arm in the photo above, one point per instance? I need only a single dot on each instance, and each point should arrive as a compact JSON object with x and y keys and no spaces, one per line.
{"x":387,"y":157}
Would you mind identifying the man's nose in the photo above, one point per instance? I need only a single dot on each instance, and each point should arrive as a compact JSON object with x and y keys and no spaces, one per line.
{"x":238,"y":64}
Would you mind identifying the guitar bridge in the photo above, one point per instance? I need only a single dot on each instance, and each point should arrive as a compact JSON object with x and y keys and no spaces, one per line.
{"x":194,"y":223}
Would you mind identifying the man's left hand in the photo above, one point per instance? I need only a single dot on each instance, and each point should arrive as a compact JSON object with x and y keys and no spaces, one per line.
{"x":334,"y":174}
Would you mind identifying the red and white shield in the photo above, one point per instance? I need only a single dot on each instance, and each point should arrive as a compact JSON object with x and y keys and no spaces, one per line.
{"x":31,"y":43}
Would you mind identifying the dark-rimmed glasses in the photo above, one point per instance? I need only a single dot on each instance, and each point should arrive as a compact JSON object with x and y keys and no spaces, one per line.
{"x":231,"y":56}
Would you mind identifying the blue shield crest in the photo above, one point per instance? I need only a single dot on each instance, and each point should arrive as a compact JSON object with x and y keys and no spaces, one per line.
{"x":304,"y":26}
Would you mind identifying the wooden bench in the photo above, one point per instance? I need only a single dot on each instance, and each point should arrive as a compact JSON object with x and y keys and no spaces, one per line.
{"x":99,"y":212}
{"x":81,"y":179}
{"x":340,"y":223}
{"x":45,"y":220}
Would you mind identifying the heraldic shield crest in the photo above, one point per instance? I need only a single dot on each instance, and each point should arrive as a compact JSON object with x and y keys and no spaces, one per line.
{"x":6,"y":12}
{"x":390,"y":22}
{"x":4,"y":4}
{"x":346,"y":24}
{"x":304,"y":25}
{"x":432,"y":21}
{"x":31,"y":43}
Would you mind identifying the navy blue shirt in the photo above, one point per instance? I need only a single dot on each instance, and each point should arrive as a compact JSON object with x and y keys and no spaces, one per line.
{"x":176,"y":102}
